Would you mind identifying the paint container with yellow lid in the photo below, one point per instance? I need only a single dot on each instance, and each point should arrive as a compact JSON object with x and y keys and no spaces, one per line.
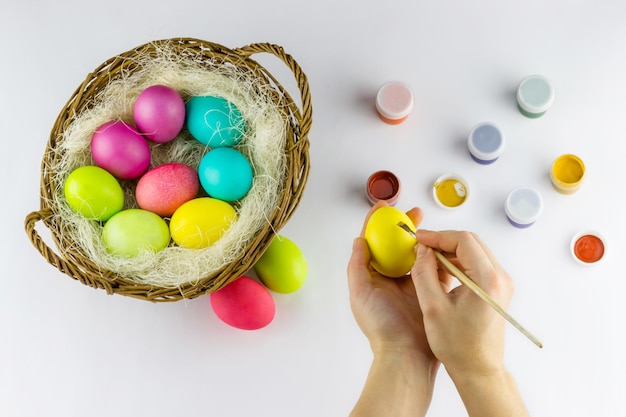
{"x":450,"y":191}
{"x":535,"y":95}
{"x":523,"y":206}
{"x":567,"y":173}
{"x":394,"y":102}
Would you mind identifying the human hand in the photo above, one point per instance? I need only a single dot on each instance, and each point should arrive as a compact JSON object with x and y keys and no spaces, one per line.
{"x":386,"y":309}
{"x":463,"y":331}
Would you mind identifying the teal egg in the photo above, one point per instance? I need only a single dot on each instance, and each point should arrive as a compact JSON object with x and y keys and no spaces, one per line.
{"x":214,"y":121}
{"x":225,"y":174}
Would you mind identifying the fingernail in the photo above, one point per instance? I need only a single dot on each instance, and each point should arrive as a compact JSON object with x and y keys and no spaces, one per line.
{"x":421,"y":250}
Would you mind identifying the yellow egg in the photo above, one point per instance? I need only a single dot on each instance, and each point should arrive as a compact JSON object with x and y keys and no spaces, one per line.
{"x":390,"y":246}
{"x":201,"y":222}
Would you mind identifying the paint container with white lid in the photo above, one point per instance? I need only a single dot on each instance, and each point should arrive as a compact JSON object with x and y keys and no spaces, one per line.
{"x":394,"y":102}
{"x":523,"y":206}
{"x":535,"y":95}
{"x":485,"y":143}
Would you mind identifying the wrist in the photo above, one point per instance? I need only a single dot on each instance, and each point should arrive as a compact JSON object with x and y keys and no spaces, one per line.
{"x":400,"y":383}
{"x":407,"y":362}
{"x":489,"y":393}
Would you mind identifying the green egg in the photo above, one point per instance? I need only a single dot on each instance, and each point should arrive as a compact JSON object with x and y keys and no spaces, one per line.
{"x":282,"y":268}
{"x":131,"y":232}
{"x":94,"y":193}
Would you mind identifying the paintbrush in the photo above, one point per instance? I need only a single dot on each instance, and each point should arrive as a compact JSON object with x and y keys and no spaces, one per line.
{"x":468,"y":282}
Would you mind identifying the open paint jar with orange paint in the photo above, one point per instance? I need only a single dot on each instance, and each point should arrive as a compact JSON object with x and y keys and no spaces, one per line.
{"x":588,"y":247}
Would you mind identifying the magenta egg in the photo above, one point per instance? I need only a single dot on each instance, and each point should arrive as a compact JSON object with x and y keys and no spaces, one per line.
{"x":159,"y":113}
{"x":166,"y":187}
{"x":244,"y":304}
{"x":120,"y":149}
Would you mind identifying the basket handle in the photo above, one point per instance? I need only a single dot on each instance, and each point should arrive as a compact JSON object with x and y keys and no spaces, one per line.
{"x":48,"y":253}
{"x":301,"y":79}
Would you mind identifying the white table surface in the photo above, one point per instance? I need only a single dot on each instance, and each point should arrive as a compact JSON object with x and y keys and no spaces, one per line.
{"x":69,"y":350}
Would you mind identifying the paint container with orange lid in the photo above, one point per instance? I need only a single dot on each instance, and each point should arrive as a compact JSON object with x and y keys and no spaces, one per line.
{"x":523,"y":206}
{"x":394,"y":102}
{"x":450,"y":191}
{"x":567,"y":173}
{"x":588,"y":247}
{"x":383,"y":185}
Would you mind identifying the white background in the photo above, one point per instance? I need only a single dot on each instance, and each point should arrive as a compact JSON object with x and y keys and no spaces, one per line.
{"x":69,"y":350}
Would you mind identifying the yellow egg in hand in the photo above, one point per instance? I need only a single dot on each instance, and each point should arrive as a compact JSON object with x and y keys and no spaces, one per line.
{"x":391,"y":247}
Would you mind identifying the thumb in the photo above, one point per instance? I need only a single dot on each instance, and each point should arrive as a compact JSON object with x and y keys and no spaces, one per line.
{"x":426,"y":278}
{"x":358,"y":266}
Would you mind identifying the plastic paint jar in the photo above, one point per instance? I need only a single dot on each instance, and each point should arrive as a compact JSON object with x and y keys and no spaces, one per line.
{"x":588,"y":247}
{"x":394,"y":102}
{"x":485,"y":143}
{"x":535,"y":95}
{"x":383,"y":185}
{"x":523,"y":206}
{"x":567,"y":173}
{"x":450,"y":191}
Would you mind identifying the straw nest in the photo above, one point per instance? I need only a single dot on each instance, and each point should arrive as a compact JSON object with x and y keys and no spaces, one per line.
{"x":276,"y":143}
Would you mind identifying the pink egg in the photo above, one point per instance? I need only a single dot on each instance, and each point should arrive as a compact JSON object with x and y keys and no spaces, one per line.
{"x":120,"y":149}
{"x":244,"y":303}
{"x":159,"y":113}
{"x":166,"y":187}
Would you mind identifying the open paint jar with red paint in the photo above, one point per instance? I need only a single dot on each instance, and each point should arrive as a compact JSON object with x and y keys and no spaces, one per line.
{"x":383,"y":185}
{"x":588,"y":247}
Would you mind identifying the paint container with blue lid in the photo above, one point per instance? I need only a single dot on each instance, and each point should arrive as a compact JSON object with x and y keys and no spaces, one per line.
{"x":485,"y":143}
{"x":535,"y":95}
{"x":523,"y":206}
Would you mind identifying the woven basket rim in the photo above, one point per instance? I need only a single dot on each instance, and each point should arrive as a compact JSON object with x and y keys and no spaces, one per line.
{"x":298,"y":121}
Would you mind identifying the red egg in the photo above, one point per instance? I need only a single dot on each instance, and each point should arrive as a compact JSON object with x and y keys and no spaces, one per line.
{"x":166,"y":187}
{"x":244,"y":304}
{"x":120,"y":149}
{"x":159,"y":113}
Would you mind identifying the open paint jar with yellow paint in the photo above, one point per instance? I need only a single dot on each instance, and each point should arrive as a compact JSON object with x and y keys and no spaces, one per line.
{"x":567,"y":173}
{"x":450,"y":191}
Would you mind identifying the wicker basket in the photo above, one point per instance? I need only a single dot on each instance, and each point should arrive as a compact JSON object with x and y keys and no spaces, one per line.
{"x":67,"y":259}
